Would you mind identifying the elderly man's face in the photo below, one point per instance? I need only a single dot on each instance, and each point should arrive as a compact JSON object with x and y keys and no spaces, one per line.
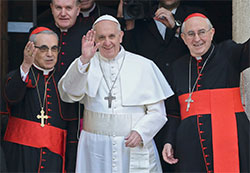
{"x":110,"y":37}
{"x":65,"y":12}
{"x":86,"y":4}
{"x":46,"y":59}
{"x":197,"y":36}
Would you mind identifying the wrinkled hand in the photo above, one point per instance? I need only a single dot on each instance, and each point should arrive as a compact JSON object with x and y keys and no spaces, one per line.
{"x":133,"y":140}
{"x":168,"y":154}
{"x":29,"y":54}
{"x":88,"y":46}
{"x":165,"y":16}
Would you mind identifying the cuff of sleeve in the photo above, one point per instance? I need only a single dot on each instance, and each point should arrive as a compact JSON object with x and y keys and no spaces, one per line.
{"x":23,"y":74}
{"x":82,"y":67}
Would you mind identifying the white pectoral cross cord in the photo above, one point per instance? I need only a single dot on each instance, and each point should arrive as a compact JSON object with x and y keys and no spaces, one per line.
{"x":189,"y":101}
{"x":42,"y":117}
{"x":110,"y":98}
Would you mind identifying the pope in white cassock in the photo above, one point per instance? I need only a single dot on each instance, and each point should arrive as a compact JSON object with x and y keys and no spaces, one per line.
{"x":123,"y":95}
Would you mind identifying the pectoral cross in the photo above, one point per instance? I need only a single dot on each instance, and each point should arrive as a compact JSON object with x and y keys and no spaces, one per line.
{"x":42,"y":117}
{"x":189,"y":100}
{"x":109,"y":98}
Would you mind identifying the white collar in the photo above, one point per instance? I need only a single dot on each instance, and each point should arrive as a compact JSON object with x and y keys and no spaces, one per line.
{"x":86,"y":13}
{"x":198,"y":58}
{"x":45,"y":71}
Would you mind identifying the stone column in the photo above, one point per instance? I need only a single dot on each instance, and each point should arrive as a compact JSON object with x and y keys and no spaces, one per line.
{"x":241,"y":32}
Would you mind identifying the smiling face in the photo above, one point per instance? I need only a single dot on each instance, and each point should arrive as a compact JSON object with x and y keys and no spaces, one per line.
{"x":65,"y":12}
{"x":197,"y":35}
{"x":109,"y":37}
{"x":46,"y":60}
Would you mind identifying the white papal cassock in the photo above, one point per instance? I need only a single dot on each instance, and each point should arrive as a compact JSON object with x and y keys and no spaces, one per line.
{"x":139,"y":93}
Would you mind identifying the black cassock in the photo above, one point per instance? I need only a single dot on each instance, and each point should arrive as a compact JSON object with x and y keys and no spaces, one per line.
{"x":30,"y":147}
{"x":192,"y":137}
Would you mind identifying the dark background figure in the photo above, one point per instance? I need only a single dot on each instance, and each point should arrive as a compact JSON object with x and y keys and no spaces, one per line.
{"x":157,"y":37}
{"x":31,"y":143}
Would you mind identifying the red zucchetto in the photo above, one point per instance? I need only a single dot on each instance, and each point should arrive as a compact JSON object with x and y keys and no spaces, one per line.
{"x":39,"y":29}
{"x":195,"y":15}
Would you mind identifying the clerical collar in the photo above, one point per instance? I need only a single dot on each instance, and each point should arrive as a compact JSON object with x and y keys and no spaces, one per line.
{"x":86,"y":13}
{"x":204,"y":57}
{"x":118,"y":56}
{"x":45,"y":71}
{"x":62,"y":30}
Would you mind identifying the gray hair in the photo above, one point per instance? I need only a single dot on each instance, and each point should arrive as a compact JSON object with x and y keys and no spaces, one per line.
{"x":33,"y":36}
{"x":207,"y":20}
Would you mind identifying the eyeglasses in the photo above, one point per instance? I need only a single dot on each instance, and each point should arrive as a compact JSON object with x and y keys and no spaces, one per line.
{"x":201,"y":33}
{"x":44,"y":48}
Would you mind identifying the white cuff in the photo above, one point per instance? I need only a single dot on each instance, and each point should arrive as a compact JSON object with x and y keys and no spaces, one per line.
{"x":23,"y":74}
{"x":82,"y":67}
